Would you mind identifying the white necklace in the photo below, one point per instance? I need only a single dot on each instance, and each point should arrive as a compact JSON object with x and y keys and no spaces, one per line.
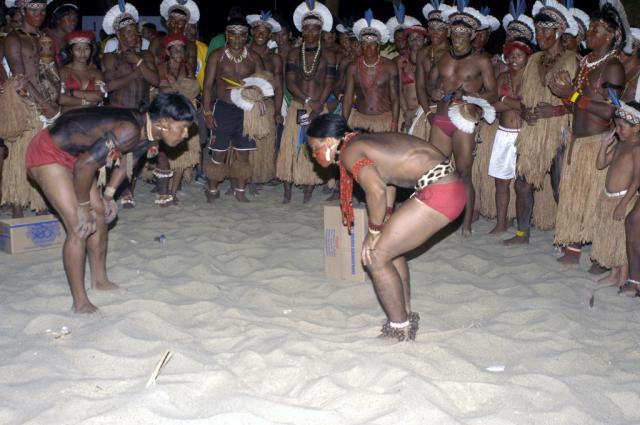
{"x":591,"y":65}
{"x":373,"y":65}
{"x":236,"y":59}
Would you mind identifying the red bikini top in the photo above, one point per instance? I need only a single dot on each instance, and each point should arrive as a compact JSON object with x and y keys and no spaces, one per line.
{"x":72,"y":84}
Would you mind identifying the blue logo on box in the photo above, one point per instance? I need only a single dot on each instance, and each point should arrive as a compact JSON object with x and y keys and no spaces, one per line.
{"x":43,"y":234}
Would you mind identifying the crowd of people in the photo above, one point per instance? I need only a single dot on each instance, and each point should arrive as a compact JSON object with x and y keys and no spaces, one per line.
{"x":546,"y":132}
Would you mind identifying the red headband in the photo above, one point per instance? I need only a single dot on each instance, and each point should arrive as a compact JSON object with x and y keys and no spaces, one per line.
{"x":79,"y":37}
{"x":173,"y":39}
{"x":516,"y":45}
{"x":415,"y":29}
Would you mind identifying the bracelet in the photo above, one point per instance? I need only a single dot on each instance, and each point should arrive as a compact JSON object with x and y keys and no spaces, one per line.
{"x":574,"y":96}
{"x":139,"y":62}
{"x":374,"y":232}
{"x":208,"y":113}
{"x":502,"y":98}
{"x":109,"y":191}
{"x":84,"y":204}
{"x":85,"y":102}
{"x":373,"y":226}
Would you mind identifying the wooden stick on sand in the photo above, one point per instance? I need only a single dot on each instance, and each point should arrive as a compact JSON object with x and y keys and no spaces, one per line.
{"x":163,"y":361}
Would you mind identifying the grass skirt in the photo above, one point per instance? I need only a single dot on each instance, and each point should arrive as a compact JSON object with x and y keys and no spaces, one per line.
{"x":187,"y":153}
{"x":17,"y":188}
{"x":374,"y":123}
{"x":263,"y":157}
{"x":609,"y":246}
{"x":538,"y":144}
{"x":295,"y":163}
{"x":580,"y":189}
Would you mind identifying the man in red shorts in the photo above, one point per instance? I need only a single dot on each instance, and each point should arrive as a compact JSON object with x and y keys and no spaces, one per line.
{"x":376,"y":160}
{"x":64,"y":159}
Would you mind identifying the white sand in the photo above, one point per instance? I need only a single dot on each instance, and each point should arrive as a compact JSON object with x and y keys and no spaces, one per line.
{"x":260,"y":336}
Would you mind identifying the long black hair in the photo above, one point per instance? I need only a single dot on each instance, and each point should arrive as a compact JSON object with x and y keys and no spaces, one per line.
{"x":171,"y":105}
{"x":328,"y":125}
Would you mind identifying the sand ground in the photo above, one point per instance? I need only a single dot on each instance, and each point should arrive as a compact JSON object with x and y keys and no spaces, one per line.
{"x":260,"y":336}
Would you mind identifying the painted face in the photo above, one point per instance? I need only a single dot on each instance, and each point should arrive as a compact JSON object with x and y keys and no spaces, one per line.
{"x":517,"y":59}
{"x":416,"y":41}
{"x":461,"y":37}
{"x":176,"y":25}
{"x":481,"y":39}
{"x":437,"y":33}
{"x":129,"y":37}
{"x":68,"y":22}
{"x":598,"y":34}
{"x":174,"y":132}
{"x":546,"y":36}
{"x":237,"y":39}
{"x":625,"y":130}
{"x":34,"y":17}
{"x":81,"y":52}
{"x":311,"y":34}
{"x":370,"y":49}
{"x":323,"y":152}
{"x":261,"y":34}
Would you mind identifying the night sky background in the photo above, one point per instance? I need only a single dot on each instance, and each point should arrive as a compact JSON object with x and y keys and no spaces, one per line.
{"x":214,"y":12}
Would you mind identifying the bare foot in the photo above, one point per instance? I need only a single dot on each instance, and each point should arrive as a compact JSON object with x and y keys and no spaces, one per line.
{"x":85,"y":308}
{"x":212,"y":195}
{"x":629,"y":288}
{"x":240,"y":195}
{"x":609,"y":279}
{"x":517,"y":240}
{"x":253,"y":189}
{"x":498,"y":229}
{"x":596,"y":268}
{"x":569,"y":258}
{"x":105,"y":286}
{"x":466,"y":233}
{"x":308,"y":192}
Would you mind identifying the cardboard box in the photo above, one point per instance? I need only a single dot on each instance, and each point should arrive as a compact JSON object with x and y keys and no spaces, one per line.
{"x":343,"y":251}
{"x":31,"y":234}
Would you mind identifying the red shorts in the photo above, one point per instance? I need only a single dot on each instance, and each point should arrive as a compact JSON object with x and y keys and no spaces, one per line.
{"x":43,"y":151}
{"x":443,"y":123}
{"x":446,"y":198}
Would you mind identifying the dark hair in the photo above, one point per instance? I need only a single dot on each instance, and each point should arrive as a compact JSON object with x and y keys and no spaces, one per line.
{"x":171,"y":105}
{"x":610,"y":17}
{"x":60,"y":12}
{"x":328,"y":125}
{"x":150,"y":25}
{"x":542,"y":17}
{"x":236,"y":20}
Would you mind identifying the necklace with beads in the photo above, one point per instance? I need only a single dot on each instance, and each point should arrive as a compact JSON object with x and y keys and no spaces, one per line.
{"x":585,"y":68}
{"x":373,"y":65}
{"x":236,"y":59}
{"x":308,"y":73}
{"x":366,"y":82}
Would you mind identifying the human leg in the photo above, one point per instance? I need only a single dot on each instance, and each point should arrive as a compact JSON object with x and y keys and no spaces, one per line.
{"x":57,"y":184}
{"x":503,"y":197}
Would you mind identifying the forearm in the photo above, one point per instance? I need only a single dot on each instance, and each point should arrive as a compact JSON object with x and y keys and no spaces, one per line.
{"x":278,"y":96}
{"x":376,"y":204}
{"x":150,"y":75}
{"x":118,"y":175}
{"x":602,"y":110}
{"x":121,"y":82}
{"x":82,"y":180}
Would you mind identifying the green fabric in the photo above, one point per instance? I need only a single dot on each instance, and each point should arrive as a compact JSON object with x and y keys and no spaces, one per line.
{"x":216,"y":42}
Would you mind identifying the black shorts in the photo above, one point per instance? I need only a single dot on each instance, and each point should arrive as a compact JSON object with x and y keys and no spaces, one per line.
{"x":228,"y":133}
